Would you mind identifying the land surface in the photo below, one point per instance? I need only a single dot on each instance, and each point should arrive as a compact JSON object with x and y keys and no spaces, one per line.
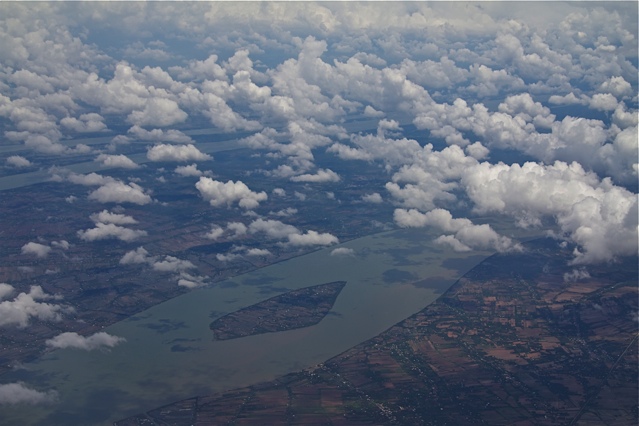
{"x":515,"y":341}
{"x":295,"y":309}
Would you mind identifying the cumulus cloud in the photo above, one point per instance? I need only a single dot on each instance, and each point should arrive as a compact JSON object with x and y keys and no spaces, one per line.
{"x":99,"y":340}
{"x":321,"y":176}
{"x":272,"y":228}
{"x":120,"y":192}
{"x":106,"y":231}
{"x":86,"y":123}
{"x":137,"y":256}
{"x":158,"y":112}
{"x":19,"y":393}
{"x":343,"y":251}
{"x":116,"y":161}
{"x":595,"y":214}
{"x":17,"y":161}
{"x":178,"y":153}
{"x":172,"y":264}
{"x":374,"y":198}
{"x":159,"y":135}
{"x":258,"y":252}
{"x":218,"y":193}
{"x":215,"y":232}
{"x":106,"y":216}
{"x":36,"y":249}
{"x":312,"y":238}
{"x":190,"y":170}
{"x":27,"y":306}
{"x":466,"y":235}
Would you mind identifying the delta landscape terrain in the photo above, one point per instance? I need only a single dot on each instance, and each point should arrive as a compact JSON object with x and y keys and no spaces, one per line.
{"x":319,"y":213}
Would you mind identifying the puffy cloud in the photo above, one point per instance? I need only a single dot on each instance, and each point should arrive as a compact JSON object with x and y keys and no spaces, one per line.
{"x":5,"y":290}
{"x":120,"y":192}
{"x":106,"y":216}
{"x":576,"y":275}
{"x":258,"y":252}
{"x":191,"y":281}
{"x":17,"y":161}
{"x":158,"y":112}
{"x":215,"y":232}
{"x":90,"y":179}
{"x":466,"y":234}
{"x":321,"y":176}
{"x":121,"y":161}
{"x":26,"y":306}
{"x":237,"y":227}
{"x":176,"y":153}
{"x":190,"y":170}
{"x":63,"y":244}
{"x":218,"y":193}
{"x":172,"y":264}
{"x":312,"y":238}
{"x":272,"y":228}
{"x":343,"y":251}
{"x":137,"y":256}
{"x":99,"y":340}
{"x":36,"y":249}
{"x":86,"y":123}
{"x":159,"y":135}
{"x":19,"y":393}
{"x":374,"y":198}
{"x":597,"y":215}
{"x":105,"y":231}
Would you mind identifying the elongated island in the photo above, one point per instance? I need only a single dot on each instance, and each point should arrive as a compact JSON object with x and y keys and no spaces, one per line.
{"x":295,"y":309}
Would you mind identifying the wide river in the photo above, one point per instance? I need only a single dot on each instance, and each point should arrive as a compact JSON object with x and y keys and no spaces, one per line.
{"x":169,"y":353}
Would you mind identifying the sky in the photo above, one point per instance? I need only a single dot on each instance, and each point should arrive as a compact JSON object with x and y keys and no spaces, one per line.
{"x":529,"y":109}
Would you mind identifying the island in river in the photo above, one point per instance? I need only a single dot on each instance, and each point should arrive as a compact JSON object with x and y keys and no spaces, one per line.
{"x":520,"y":339}
{"x":295,"y":309}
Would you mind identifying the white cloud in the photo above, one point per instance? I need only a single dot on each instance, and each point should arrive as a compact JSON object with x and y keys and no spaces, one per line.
{"x":36,"y":249}
{"x":576,"y":275}
{"x":121,"y":161}
{"x":5,"y":290}
{"x":321,"y":176}
{"x":219,"y":193}
{"x":343,"y":251}
{"x":27,"y":306}
{"x":137,"y":256}
{"x":272,"y":228}
{"x":258,"y":252}
{"x":120,"y":192}
{"x":106,"y":216}
{"x":105,"y":231}
{"x":466,"y":234}
{"x":215,"y":232}
{"x":172,"y":264}
{"x":86,"y":123}
{"x":600,"y":217}
{"x":99,"y":340}
{"x":176,"y":153}
{"x":19,"y":393}
{"x":237,"y":227}
{"x":90,"y":179}
{"x":159,"y":135}
{"x":312,"y":238}
{"x":158,"y":112}
{"x":190,"y":170}
{"x":63,"y":244}
{"x":374,"y":198}
{"x":17,"y":161}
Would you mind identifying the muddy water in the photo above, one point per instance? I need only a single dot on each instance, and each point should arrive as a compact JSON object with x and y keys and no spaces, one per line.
{"x":169,"y":353}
